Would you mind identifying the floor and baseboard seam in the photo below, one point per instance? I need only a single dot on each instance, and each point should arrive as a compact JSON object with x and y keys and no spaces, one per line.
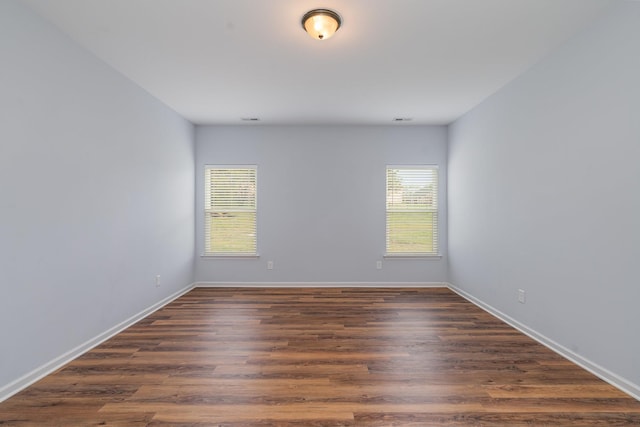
{"x":42,"y":371}
{"x":49,"y":367}
{"x":597,"y":370}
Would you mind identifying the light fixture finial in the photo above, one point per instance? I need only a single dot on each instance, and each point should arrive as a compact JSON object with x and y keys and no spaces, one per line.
{"x":321,"y":23}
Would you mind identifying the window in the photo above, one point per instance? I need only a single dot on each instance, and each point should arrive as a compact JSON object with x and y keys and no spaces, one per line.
{"x":412,"y":211}
{"x":230,"y":210}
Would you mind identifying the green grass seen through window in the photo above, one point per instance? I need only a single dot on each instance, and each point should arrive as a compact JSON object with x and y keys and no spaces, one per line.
{"x":411,"y":232}
{"x":233,"y":232}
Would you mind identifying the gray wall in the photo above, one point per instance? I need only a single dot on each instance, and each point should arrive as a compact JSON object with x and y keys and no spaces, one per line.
{"x":96,"y":195}
{"x":544,"y":195}
{"x":321,"y":200}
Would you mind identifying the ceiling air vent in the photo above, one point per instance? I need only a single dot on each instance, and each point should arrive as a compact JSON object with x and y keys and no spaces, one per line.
{"x":250,"y":119}
{"x":402,"y":119}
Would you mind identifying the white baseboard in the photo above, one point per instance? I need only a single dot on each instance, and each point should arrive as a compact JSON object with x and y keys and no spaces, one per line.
{"x":26,"y":380}
{"x":597,"y":370}
{"x":321,"y":285}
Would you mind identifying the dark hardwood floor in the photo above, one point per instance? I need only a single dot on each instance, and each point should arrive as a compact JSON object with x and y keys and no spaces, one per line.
{"x":321,"y":357}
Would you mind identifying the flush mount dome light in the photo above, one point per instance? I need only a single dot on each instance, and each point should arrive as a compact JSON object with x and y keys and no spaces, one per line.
{"x":321,"y":23}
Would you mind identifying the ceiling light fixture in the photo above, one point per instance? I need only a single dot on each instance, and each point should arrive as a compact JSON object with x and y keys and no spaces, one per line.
{"x":321,"y":23}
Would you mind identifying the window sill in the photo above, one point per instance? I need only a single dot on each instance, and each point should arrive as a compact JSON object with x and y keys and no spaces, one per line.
{"x":230,"y":256}
{"x":412,"y":256}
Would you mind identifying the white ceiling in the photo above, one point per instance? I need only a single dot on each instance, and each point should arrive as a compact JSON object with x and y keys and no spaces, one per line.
{"x":217,"y":61}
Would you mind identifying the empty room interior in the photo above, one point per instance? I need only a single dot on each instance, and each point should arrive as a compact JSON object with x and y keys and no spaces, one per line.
{"x":290,"y":212}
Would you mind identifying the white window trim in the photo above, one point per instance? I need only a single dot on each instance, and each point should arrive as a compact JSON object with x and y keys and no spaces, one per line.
{"x":229,"y":255}
{"x":434,"y":256}
{"x":411,"y":256}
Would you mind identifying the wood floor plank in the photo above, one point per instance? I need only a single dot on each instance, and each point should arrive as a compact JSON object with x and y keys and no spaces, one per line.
{"x":320,"y":357}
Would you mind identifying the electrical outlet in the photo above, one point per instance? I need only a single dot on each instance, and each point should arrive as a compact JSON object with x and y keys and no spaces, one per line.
{"x":157,"y":280}
{"x":269,"y":265}
{"x":379,"y":265}
{"x":522,"y":296}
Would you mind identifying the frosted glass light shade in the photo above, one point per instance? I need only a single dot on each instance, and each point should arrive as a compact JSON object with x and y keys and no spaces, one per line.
{"x":321,"y":23}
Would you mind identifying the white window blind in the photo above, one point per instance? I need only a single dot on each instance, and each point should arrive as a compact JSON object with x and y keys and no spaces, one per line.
{"x":230,"y":210}
{"x":412,"y":210}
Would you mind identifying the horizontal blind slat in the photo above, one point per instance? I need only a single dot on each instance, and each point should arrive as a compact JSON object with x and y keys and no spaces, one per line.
{"x":230,"y":210}
{"x":412,"y":210}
